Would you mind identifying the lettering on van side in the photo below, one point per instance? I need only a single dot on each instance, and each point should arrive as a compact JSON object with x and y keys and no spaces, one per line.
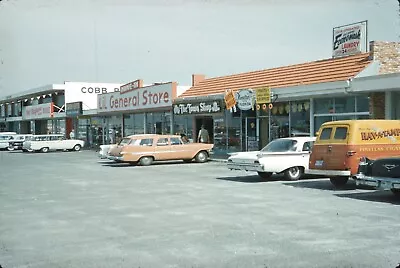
{"x":379,"y":149}
{"x":374,"y":135}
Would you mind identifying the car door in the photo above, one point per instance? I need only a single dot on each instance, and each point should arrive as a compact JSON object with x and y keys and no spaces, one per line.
{"x":163,"y":149}
{"x":179,"y":150}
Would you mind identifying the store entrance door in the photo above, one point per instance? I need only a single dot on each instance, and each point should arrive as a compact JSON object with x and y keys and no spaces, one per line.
{"x":251,"y":134}
{"x":207,"y":122}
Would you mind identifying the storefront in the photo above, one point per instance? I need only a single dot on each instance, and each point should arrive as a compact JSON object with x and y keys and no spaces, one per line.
{"x":137,"y":110}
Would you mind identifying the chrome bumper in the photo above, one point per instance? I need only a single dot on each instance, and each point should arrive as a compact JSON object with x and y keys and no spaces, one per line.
{"x":328,"y":173}
{"x":245,"y":166}
{"x":377,"y":182}
{"x":115,"y":158}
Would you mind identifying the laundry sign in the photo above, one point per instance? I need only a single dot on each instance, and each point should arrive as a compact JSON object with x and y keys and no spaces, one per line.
{"x":349,"y":39}
{"x":203,"y":107}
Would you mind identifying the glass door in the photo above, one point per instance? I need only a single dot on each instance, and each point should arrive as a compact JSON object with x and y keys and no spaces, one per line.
{"x":251,"y":134}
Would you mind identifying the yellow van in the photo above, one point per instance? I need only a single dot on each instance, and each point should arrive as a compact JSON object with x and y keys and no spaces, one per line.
{"x":341,"y":144}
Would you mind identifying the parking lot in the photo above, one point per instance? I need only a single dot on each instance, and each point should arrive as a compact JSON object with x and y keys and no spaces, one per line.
{"x":71,"y":209}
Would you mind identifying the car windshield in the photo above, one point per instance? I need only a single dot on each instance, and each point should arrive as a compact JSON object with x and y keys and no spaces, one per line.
{"x":125,"y":141}
{"x":280,"y":145}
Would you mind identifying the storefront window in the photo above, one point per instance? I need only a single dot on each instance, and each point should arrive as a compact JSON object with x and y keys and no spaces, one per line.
{"x":345,"y":104}
{"x":158,"y":123}
{"x":300,"y":118}
{"x":234,"y":129}
{"x":184,"y":125}
{"x":280,"y":121}
{"x":324,"y":106}
{"x":84,"y":132}
{"x":220,"y":135}
{"x":362,"y":104}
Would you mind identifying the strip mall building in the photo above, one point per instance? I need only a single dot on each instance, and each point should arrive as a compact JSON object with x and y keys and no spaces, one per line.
{"x":305,"y":95}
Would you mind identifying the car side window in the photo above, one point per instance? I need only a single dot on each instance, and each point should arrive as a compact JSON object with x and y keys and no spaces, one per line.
{"x":340,"y":133}
{"x":162,"y":142}
{"x":176,"y":141}
{"x":307,"y":146}
{"x":325,"y":133}
{"x":146,"y":142}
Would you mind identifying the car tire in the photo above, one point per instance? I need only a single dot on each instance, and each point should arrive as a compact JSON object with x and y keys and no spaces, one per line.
{"x":146,"y":161}
{"x":10,"y":148}
{"x":201,"y":157}
{"x":396,"y":192}
{"x":44,"y":150}
{"x":77,"y":148}
{"x":265,"y":175}
{"x":294,"y":173}
{"x":339,"y":181}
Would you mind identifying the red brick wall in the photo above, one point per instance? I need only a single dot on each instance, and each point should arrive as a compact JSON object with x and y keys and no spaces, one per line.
{"x":377,"y":105}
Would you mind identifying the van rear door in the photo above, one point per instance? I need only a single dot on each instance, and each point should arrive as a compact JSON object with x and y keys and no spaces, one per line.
{"x":330,"y":150}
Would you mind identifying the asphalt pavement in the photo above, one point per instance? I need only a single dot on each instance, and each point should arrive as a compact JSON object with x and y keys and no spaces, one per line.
{"x":70,"y":209}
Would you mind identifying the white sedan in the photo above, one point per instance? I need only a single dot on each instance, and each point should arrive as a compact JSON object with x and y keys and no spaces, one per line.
{"x":289,"y":156}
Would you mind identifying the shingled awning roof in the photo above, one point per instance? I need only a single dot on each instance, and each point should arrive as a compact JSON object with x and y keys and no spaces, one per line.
{"x":328,"y":70}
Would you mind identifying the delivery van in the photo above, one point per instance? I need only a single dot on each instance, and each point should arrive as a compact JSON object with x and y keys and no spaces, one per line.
{"x":341,"y":144}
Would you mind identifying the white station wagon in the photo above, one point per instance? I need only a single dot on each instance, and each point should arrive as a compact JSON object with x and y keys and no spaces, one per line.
{"x":288,"y":156}
{"x":51,"y":142}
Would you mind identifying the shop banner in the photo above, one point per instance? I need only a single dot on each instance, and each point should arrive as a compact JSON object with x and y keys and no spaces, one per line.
{"x":73,"y":109}
{"x":44,"y":110}
{"x":263,"y":95}
{"x":87,"y":92}
{"x":203,"y":107}
{"x":245,"y":99}
{"x":349,"y":39}
{"x":230,"y":100}
{"x":157,"y":96}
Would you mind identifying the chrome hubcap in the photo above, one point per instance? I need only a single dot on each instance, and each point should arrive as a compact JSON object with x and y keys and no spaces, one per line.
{"x":294,"y":172}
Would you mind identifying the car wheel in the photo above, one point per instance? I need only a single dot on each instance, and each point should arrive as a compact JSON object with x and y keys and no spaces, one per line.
{"x":294,"y":173}
{"x":146,"y":161}
{"x":396,"y":192}
{"x":44,"y":150}
{"x":265,"y":175}
{"x":339,"y":181}
{"x":201,"y":157}
{"x":10,"y":148}
{"x":77,"y":148}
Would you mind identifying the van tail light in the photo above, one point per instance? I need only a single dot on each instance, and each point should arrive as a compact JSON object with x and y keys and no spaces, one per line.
{"x":351,"y":153}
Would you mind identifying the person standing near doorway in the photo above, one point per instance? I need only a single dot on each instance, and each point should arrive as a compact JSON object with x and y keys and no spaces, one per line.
{"x":203,"y":136}
{"x":72,"y":134}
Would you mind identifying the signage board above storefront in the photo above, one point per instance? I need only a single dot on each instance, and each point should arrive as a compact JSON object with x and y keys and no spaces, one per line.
{"x":230,"y":100}
{"x":350,"y":39}
{"x":87,"y":92}
{"x":245,"y":99}
{"x":263,"y":95}
{"x":156,"y":96}
{"x":197,"y":107}
{"x":45,"y":110}
{"x":131,"y":86}
{"x":73,"y":109}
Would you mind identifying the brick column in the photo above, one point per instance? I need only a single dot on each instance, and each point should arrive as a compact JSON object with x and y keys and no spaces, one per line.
{"x":377,"y":105}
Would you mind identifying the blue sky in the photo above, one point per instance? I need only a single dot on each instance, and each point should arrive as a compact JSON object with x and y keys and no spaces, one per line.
{"x":52,"y":41}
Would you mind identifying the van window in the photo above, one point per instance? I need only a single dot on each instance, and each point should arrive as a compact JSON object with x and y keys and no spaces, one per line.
{"x":325,"y":133}
{"x":340,"y":133}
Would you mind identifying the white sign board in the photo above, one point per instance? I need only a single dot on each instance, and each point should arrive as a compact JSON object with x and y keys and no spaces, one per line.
{"x":44,"y":110}
{"x":87,"y":92}
{"x":245,"y":99}
{"x":350,"y":39}
{"x":156,"y":96}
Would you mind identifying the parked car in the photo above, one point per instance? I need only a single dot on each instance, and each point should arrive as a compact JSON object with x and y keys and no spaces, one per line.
{"x":17,"y":141}
{"x":51,"y":142}
{"x":341,"y":144}
{"x":105,"y":148}
{"x":147,"y":148}
{"x":382,"y":173}
{"x":289,"y":156}
{"x":5,"y":139}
